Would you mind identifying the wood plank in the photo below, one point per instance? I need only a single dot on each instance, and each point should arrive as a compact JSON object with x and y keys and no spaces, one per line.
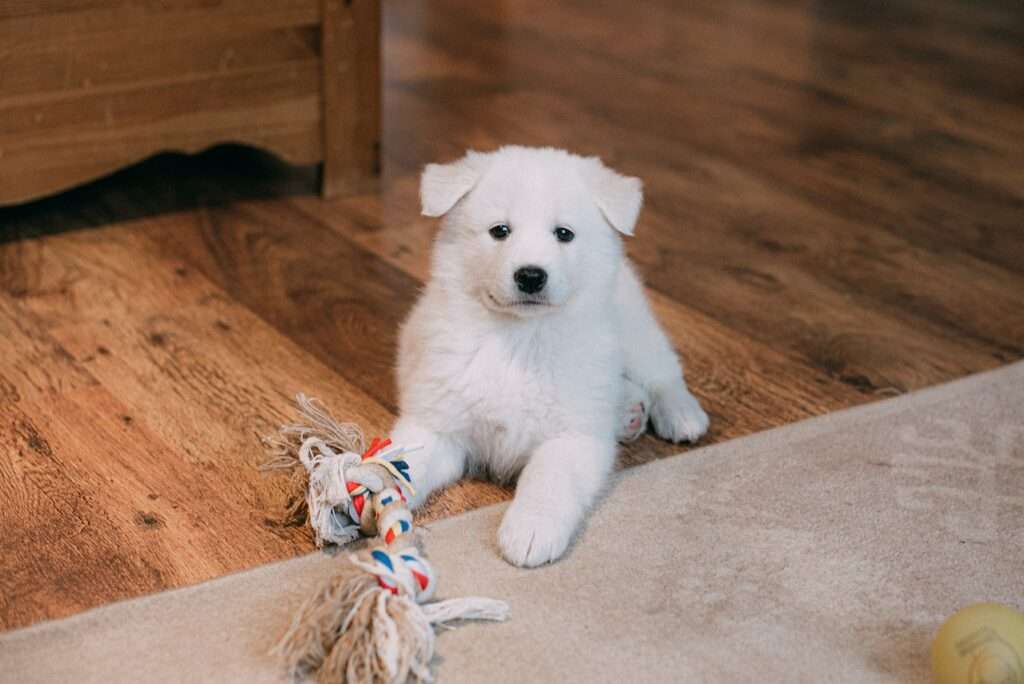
{"x":837,"y":311}
{"x":112,"y":290}
{"x":337,"y":301}
{"x":55,"y":535}
{"x":22,"y":8}
{"x":198,"y":381}
{"x":277,"y":108}
{"x":34,"y":364}
{"x":66,"y":23}
{"x":64,"y":71}
{"x":69,"y":486}
{"x":157,"y":101}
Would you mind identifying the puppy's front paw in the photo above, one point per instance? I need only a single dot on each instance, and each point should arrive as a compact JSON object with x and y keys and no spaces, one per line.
{"x":677,"y":416}
{"x":530,"y":538}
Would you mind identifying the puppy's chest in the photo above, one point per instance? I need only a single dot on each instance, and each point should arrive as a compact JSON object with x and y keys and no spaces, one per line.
{"x":514,"y":383}
{"x":518,"y":395}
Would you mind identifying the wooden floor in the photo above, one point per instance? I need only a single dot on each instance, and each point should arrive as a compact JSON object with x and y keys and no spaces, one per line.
{"x":835,"y":214}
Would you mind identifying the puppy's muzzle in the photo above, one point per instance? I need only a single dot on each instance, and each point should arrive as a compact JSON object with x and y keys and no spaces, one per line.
{"x":530,"y":279}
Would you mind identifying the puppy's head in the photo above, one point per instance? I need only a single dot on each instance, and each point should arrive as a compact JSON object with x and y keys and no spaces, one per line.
{"x":527,"y":231}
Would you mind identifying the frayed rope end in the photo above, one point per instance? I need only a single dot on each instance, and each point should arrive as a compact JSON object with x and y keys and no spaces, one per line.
{"x":355,"y":629}
{"x":441,"y":613}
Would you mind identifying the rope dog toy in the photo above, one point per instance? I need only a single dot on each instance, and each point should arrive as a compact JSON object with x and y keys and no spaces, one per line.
{"x":374,"y":620}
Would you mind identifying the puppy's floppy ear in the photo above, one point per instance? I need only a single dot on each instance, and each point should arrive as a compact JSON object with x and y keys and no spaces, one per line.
{"x":442,"y":185}
{"x":618,"y":197}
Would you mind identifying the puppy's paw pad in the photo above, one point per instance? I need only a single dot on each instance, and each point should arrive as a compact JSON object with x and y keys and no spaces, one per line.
{"x":634,"y":423}
{"x":528,"y":540}
{"x":678,"y":417}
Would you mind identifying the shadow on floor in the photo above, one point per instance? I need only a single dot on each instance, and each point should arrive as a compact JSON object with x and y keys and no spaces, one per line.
{"x":162,"y":184}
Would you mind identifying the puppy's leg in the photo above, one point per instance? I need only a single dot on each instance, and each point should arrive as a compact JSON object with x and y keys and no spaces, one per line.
{"x":440,"y":462}
{"x":557,"y":486}
{"x":652,"y":363}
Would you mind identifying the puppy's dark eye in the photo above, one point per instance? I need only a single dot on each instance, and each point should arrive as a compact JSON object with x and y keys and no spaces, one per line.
{"x":500,"y":231}
{"x":564,"y":234}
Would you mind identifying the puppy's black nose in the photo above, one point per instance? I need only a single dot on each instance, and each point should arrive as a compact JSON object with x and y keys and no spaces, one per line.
{"x":531,"y":279}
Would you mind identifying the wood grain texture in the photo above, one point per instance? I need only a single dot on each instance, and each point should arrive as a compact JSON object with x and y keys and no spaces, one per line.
{"x":58,"y":144}
{"x":48,"y":74}
{"x":88,"y":88}
{"x":351,"y":94}
{"x":28,"y":24}
{"x":150,"y":390}
{"x":834,"y":214}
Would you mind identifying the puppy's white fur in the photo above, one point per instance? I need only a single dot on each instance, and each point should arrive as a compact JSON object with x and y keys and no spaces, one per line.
{"x":497,"y":381}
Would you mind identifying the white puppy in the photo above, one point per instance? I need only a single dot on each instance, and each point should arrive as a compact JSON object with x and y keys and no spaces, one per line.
{"x":532,"y":349}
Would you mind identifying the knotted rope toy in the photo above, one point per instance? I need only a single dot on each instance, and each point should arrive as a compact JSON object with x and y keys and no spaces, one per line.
{"x":372,"y":621}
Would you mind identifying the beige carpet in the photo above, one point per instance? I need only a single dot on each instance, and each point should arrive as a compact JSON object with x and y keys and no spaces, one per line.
{"x":826,"y":551}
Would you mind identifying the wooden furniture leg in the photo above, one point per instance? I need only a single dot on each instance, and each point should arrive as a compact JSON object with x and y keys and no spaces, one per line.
{"x":351,"y":94}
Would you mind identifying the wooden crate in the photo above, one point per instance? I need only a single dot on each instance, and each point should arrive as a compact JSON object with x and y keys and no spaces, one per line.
{"x":89,"y":86}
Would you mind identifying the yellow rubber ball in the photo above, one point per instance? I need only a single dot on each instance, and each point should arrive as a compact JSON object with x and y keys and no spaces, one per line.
{"x":980,"y":644}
